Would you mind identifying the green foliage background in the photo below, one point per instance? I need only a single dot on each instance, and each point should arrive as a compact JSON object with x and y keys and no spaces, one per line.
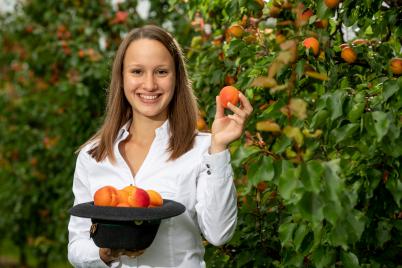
{"x":320,"y":187}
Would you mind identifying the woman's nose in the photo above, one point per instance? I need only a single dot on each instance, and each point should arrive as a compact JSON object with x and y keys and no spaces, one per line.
{"x":149,"y":82}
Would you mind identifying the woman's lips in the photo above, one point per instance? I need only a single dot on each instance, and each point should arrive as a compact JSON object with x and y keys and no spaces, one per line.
{"x":149,"y":98}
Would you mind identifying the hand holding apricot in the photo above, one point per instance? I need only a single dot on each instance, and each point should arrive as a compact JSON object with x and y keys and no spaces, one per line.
{"x":228,"y":128}
{"x":229,"y":94}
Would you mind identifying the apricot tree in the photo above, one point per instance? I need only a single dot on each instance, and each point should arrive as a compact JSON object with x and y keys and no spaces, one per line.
{"x":319,"y":169}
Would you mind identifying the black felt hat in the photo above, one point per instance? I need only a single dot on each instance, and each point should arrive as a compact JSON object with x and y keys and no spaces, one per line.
{"x":126,"y":227}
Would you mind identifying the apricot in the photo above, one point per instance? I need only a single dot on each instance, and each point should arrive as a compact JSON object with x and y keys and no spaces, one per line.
{"x":360,"y":42}
{"x":322,"y":23}
{"x":106,"y":196}
{"x":312,"y":42}
{"x":280,"y":38}
{"x":305,"y":16}
{"x":395,"y":65}
{"x":138,"y":198}
{"x":122,"y":196}
{"x":348,"y":55}
{"x":155,"y":199}
{"x":129,"y":188}
{"x":331,"y":3}
{"x":236,"y":30}
{"x":229,"y":80}
{"x":123,"y":205}
{"x":201,"y":124}
{"x":229,"y":94}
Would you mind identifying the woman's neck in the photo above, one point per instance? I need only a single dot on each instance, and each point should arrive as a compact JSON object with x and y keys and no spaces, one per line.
{"x":142,"y":129}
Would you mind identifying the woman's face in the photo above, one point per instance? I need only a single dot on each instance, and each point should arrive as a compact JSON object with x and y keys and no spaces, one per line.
{"x":149,"y":78}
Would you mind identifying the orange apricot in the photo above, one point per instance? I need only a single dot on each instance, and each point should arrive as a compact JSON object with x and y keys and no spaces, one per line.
{"x":312,"y":42}
{"x":396,"y":66}
{"x":123,"y":205}
{"x":236,"y":30}
{"x":106,"y":196}
{"x":229,"y":94}
{"x":155,"y":199}
{"x":348,"y":55}
{"x":122,"y":196}
{"x":331,"y":3}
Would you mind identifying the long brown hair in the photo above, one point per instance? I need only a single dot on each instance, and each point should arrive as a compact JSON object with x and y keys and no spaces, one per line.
{"x":182,"y":110}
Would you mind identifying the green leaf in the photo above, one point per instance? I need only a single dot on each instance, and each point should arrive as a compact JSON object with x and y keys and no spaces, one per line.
{"x":299,"y":235}
{"x":323,"y":257}
{"x":319,"y":119}
{"x":288,"y":183}
{"x":262,"y":170}
{"x":281,"y":144}
{"x":344,"y":132}
{"x":356,"y":111}
{"x":390,"y":88}
{"x":394,"y":185}
{"x":335,"y":102}
{"x":339,"y":236}
{"x":311,"y":206}
{"x":311,"y":175}
{"x":383,"y":232}
{"x":381,"y":124}
{"x":242,"y":153}
{"x":286,"y":231}
{"x":349,"y":260}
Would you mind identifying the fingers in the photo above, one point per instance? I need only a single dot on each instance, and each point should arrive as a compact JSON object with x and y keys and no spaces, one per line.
{"x":246,"y":104}
{"x":133,"y":253}
{"x":220,"y":111}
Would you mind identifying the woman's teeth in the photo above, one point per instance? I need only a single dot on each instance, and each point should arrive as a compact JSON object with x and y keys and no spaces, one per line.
{"x":148,"y":97}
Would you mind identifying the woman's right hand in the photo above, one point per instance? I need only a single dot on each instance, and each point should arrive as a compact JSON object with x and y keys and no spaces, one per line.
{"x":108,"y":255}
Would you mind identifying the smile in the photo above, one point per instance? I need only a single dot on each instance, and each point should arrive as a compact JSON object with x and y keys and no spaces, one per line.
{"x":149,"y":98}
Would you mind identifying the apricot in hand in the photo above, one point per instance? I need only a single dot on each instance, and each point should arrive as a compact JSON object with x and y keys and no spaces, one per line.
{"x":229,"y":94}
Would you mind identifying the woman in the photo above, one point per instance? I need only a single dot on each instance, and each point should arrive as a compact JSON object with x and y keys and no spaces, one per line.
{"x":149,"y":139}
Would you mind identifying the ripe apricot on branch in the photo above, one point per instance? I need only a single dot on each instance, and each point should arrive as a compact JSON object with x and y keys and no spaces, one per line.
{"x":312,"y":42}
{"x":396,"y":66}
{"x":348,"y":54}
{"x":229,"y":94}
{"x":331,"y":3}
{"x":236,"y":30}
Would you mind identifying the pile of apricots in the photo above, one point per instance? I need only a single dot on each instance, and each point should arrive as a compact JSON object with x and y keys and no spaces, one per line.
{"x":129,"y":196}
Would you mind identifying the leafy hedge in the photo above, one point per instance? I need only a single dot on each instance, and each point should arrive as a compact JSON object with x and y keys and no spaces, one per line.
{"x":318,"y":170}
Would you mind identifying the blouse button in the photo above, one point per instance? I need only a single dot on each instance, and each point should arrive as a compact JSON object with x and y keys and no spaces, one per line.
{"x":209,"y":172}
{"x":207,"y":165}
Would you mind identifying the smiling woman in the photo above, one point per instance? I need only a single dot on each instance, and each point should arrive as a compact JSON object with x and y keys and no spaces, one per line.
{"x":149,"y":139}
{"x":149,"y":79}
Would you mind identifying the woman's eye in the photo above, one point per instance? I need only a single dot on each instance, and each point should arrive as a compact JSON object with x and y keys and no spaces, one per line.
{"x":162,"y":72}
{"x":136,"y":72}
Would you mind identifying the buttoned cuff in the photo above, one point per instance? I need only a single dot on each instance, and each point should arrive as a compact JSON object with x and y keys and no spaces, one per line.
{"x":217,"y":164}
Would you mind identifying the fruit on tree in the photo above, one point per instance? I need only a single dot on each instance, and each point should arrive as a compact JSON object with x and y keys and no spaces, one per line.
{"x":106,"y":196}
{"x":331,"y":3}
{"x":396,"y":66}
{"x":236,"y":30}
{"x":229,"y":94}
{"x":348,"y":54}
{"x":312,"y":42}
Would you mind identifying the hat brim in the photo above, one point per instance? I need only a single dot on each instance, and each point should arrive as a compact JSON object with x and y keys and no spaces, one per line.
{"x":169,"y":209}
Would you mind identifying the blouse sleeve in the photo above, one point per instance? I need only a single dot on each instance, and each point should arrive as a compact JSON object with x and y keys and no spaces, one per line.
{"x":82,"y":251}
{"x":216,"y":198}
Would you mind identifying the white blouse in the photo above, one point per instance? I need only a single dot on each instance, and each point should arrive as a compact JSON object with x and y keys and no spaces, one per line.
{"x":202,"y":182}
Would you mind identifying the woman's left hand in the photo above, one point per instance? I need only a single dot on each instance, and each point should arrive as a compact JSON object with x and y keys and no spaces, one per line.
{"x":228,"y":128}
